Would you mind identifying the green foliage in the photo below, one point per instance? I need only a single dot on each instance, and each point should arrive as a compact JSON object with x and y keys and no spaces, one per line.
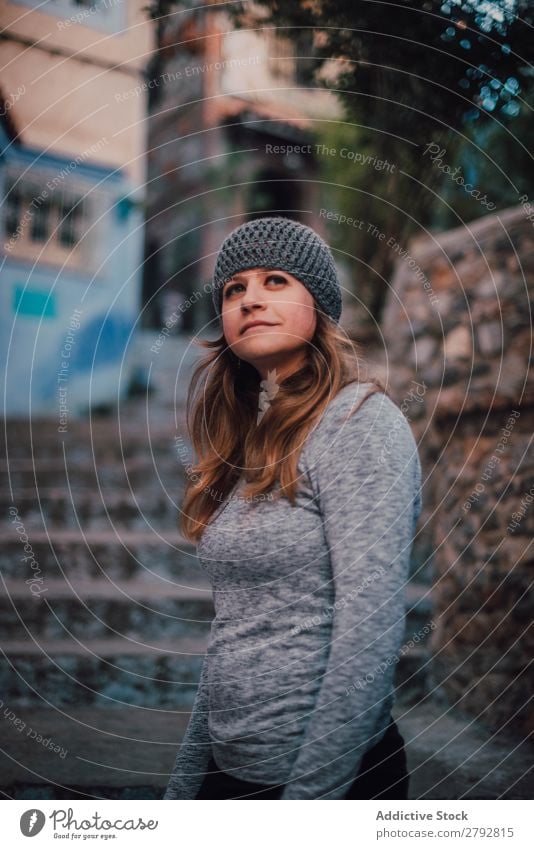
{"x":419,"y":73}
{"x":420,"y":69}
{"x":448,"y":73}
{"x":357,"y":190}
{"x":453,"y":74}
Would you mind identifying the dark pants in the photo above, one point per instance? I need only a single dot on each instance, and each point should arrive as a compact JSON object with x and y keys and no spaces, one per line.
{"x":383,"y":774}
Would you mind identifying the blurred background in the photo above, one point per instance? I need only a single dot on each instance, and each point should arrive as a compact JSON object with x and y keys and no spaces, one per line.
{"x":134,"y":136}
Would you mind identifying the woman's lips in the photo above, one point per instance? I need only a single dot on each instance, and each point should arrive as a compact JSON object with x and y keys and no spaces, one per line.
{"x":256,"y":326}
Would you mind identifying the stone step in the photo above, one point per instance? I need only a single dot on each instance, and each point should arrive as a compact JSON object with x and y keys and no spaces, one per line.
{"x":89,"y":752}
{"x":419,"y":607}
{"x":452,"y":756}
{"x":112,"y":451}
{"x":92,"y":608}
{"x":99,"y":608}
{"x":39,"y":439}
{"x":125,"y":752}
{"x":141,"y":506}
{"x":412,"y":672}
{"x":414,"y":664}
{"x":130,"y":670}
{"x":118,"y":554}
{"x":121,"y":553}
{"x":143,"y":469}
{"x":109,"y":672}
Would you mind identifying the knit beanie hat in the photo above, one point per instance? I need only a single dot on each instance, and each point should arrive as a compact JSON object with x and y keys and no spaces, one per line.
{"x":284,"y":244}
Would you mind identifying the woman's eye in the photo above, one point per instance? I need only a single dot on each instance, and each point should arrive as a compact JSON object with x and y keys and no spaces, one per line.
{"x":277,"y":278}
{"x":229,"y":289}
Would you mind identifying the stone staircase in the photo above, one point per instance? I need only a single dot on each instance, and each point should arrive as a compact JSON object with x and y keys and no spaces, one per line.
{"x":102,"y":655}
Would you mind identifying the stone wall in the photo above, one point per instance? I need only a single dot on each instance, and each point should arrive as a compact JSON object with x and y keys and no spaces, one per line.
{"x":458,"y":336}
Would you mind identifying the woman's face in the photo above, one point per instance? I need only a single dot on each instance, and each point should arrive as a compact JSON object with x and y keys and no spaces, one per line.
{"x":285,"y":306}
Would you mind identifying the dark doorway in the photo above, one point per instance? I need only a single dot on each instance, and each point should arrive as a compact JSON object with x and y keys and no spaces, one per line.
{"x":273,"y":192}
{"x":151,"y":308}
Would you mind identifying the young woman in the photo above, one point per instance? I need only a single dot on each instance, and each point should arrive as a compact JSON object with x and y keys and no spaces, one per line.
{"x":304,"y":502}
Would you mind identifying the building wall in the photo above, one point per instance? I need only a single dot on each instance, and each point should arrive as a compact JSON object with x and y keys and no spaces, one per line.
{"x":70,"y":101}
{"x":72,"y":177}
{"x":220,"y":98}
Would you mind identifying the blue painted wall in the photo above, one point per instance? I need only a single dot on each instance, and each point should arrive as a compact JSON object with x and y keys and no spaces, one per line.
{"x":65,"y":336}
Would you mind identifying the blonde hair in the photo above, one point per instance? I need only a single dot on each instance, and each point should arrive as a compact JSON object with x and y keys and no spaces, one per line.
{"x":222,"y":412}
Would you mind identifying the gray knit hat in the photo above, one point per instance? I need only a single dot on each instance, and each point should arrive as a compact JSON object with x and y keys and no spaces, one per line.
{"x":284,"y":244}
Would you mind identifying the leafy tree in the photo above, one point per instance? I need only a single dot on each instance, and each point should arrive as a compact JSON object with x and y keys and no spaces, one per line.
{"x":449,"y":74}
{"x":436,"y":88}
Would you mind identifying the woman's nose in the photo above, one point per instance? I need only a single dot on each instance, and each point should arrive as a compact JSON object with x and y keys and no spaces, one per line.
{"x":252,"y":297}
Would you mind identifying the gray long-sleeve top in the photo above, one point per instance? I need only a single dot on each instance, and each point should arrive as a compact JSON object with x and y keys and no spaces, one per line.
{"x":297,"y":681}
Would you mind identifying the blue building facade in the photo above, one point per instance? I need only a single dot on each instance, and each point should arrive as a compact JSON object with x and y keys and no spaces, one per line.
{"x":71,"y":252}
{"x":72,"y":209}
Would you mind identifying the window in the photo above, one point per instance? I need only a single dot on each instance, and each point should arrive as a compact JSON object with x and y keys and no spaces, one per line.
{"x":71,"y":220}
{"x":41,"y":218}
{"x":40,"y":221}
{"x":12,"y":209}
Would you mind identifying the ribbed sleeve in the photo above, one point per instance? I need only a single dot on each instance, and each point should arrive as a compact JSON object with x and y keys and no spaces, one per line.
{"x":194,"y":753}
